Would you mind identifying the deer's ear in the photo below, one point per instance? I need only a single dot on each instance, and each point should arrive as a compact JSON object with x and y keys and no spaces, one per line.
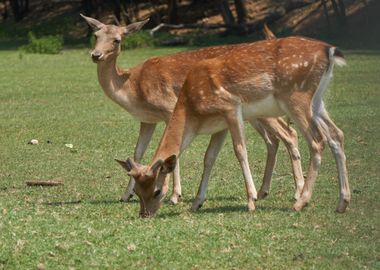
{"x":268,"y":33}
{"x":95,"y":24}
{"x":169,"y":164}
{"x":129,"y":164}
{"x":133,"y":27}
{"x":157,"y":165}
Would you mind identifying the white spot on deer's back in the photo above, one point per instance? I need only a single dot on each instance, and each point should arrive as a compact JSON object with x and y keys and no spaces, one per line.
{"x":305,"y":64}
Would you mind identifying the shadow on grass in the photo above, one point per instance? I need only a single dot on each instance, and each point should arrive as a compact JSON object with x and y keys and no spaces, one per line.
{"x":215,"y":198}
{"x":61,"y":203}
{"x":242,"y":209}
{"x":274,"y":209}
{"x":168,"y":215}
{"x":221,"y":209}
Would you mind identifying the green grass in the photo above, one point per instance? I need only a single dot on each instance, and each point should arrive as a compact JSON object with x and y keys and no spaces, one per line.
{"x":82,"y":225}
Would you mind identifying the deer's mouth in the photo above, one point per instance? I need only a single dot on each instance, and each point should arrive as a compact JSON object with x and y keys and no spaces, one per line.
{"x":146,"y":214}
{"x":96,"y":60}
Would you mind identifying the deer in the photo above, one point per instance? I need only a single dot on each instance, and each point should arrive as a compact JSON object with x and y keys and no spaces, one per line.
{"x":149,"y":92}
{"x":271,"y":78}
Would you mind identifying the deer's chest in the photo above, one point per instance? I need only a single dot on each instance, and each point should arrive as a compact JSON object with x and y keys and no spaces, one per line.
{"x":140,"y":111}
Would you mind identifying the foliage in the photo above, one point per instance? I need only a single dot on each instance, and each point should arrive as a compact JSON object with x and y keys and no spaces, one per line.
{"x":43,"y":45}
{"x":138,"y":39}
{"x":82,"y":224}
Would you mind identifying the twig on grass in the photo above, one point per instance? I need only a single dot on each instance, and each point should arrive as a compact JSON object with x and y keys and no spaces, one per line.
{"x":44,"y":183}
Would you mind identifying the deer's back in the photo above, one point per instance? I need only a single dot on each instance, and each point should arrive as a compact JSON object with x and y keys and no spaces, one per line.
{"x":252,"y":72}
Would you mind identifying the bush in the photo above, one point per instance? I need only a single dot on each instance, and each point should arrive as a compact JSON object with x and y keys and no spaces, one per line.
{"x":43,"y":45}
{"x":138,"y":40}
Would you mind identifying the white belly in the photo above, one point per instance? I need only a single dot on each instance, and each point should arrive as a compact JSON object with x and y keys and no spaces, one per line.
{"x":267,"y":107}
{"x":212,"y":125}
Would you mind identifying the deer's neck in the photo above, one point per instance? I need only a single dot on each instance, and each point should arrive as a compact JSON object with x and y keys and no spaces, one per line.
{"x":178,"y":134}
{"x":112,"y":79}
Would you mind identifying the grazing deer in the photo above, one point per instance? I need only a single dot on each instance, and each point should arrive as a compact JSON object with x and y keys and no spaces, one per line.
{"x":149,"y":92}
{"x":270,"y":78}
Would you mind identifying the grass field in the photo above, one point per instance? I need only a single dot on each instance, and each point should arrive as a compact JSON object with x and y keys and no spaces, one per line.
{"x":82,"y":225}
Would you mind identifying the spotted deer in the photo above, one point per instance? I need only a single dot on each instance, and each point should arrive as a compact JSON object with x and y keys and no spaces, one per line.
{"x":149,"y":92}
{"x":272,"y":78}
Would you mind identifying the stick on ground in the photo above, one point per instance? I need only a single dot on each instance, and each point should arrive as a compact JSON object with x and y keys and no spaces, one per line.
{"x":44,"y":183}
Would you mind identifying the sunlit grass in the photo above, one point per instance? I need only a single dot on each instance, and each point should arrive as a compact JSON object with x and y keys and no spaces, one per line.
{"x":82,"y":224}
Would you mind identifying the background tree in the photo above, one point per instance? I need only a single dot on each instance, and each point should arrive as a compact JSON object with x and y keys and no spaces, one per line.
{"x":20,"y":9}
{"x":226,"y":12}
{"x":241,"y":11}
{"x":172,"y":11}
{"x":340,"y":11}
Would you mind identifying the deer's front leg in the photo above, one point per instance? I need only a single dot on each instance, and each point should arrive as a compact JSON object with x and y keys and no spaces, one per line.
{"x":177,"y":191}
{"x":236,"y":127}
{"x":145,"y":135}
{"x":216,"y":143}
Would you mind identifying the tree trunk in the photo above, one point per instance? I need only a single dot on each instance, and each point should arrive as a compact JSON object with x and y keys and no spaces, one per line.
{"x":326,"y":12}
{"x":241,"y":11}
{"x":340,"y":11}
{"x":4,"y":11}
{"x":117,"y":9}
{"x":20,"y":8}
{"x":172,"y":11}
{"x":226,"y":12}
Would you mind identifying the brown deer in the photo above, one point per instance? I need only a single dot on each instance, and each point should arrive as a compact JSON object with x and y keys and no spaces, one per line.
{"x":270,"y":78}
{"x":149,"y":92}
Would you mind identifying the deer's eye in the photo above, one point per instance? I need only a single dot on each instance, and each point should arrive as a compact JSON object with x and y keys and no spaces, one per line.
{"x":116,"y":41}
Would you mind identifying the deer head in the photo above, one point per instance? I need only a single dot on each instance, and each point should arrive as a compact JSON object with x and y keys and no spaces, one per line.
{"x":109,"y":37}
{"x":151,"y":182}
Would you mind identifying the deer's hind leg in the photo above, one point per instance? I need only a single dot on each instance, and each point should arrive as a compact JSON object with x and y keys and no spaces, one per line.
{"x":302,"y":116}
{"x":273,"y":129}
{"x":335,"y":140}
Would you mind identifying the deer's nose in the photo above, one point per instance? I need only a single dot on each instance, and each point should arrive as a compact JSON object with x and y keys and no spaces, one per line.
{"x":96,"y":55}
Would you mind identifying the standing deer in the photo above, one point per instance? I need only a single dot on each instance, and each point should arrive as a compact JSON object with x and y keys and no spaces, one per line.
{"x":149,"y":92}
{"x":270,"y":78}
